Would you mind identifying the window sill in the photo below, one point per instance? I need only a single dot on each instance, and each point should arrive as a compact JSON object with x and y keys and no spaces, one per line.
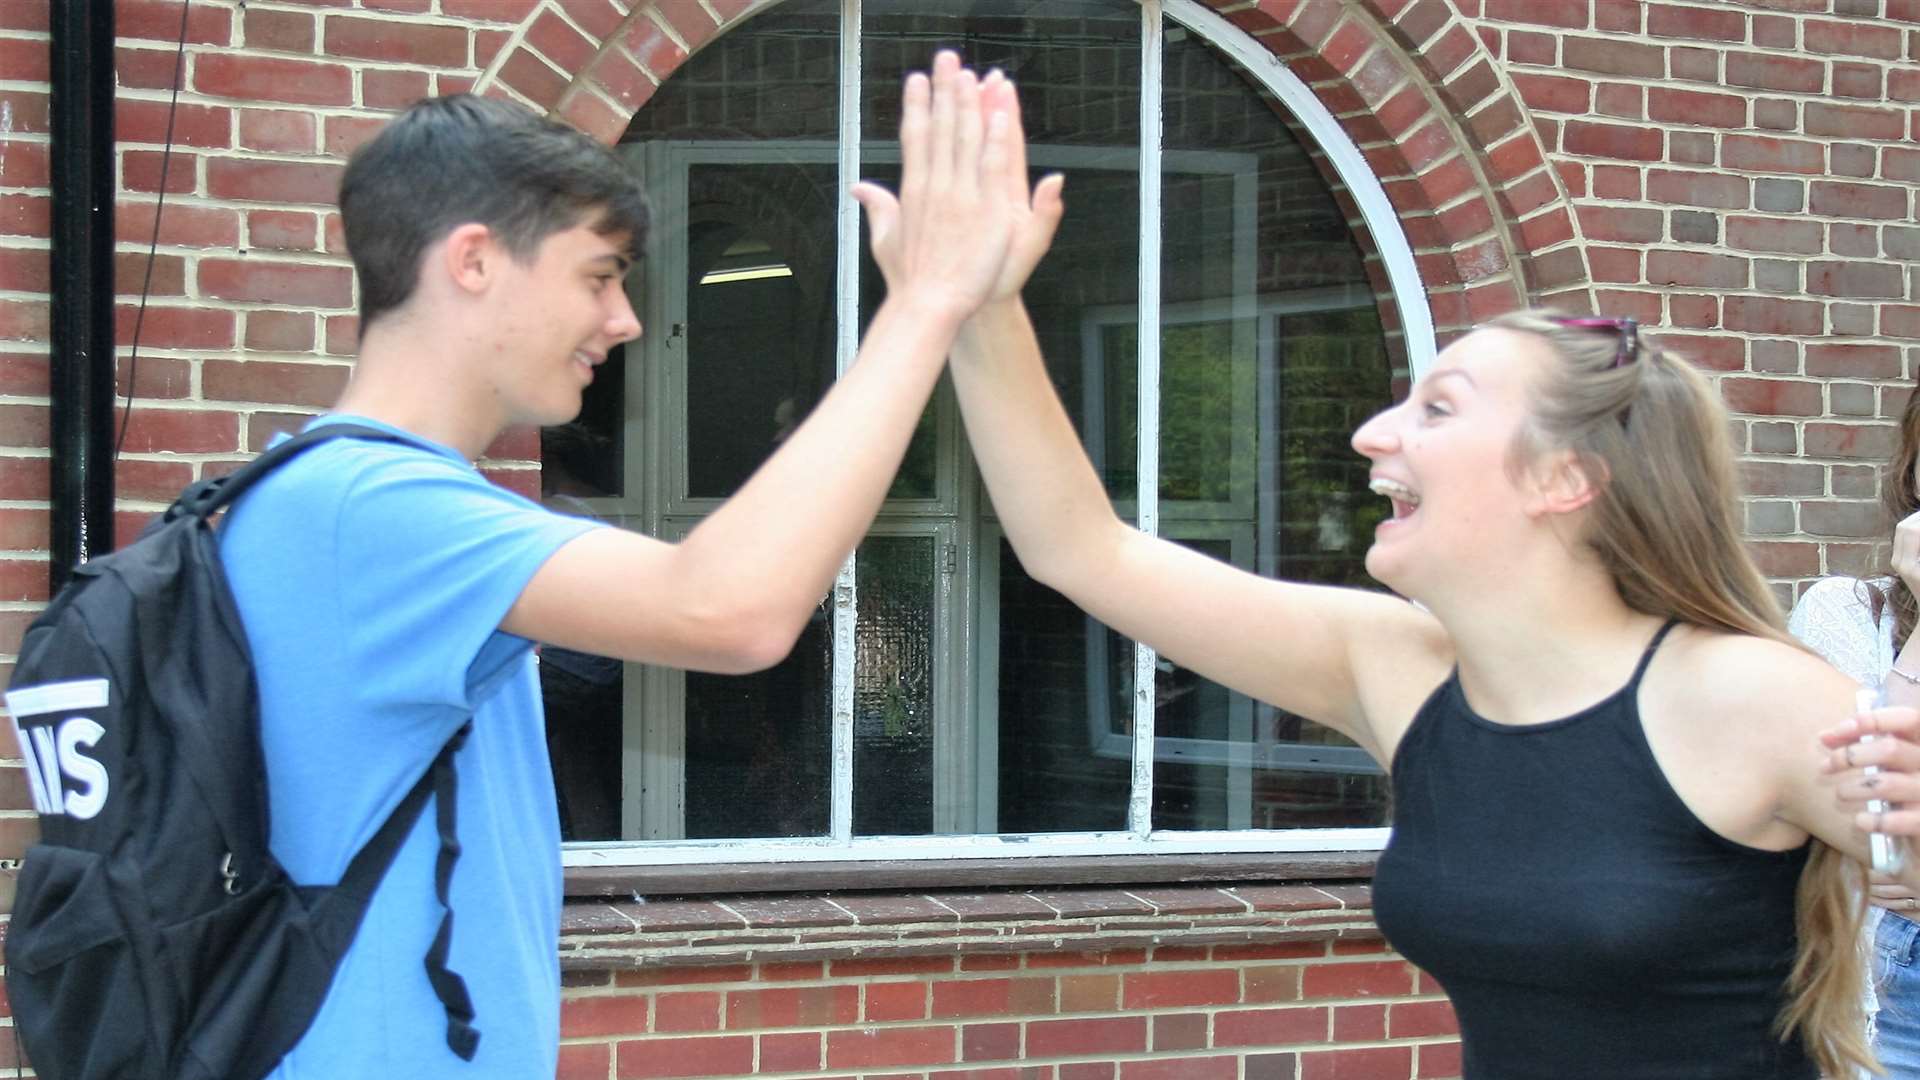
{"x":876,"y":929}
{"x":796,"y":877}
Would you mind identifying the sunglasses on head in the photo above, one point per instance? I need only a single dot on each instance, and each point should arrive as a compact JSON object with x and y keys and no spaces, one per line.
{"x":1628,"y":329}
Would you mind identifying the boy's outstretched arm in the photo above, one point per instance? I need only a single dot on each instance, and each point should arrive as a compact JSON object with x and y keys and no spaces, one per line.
{"x":736,"y":592}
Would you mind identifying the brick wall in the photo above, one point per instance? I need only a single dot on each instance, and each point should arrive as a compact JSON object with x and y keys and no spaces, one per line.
{"x":1174,"y":983}
{"x":1739,"y":173}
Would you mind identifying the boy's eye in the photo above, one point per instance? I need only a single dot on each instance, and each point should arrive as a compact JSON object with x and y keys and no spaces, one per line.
{"x":1435,"y":409}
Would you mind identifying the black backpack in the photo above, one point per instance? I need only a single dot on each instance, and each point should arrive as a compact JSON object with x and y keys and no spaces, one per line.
{"x":154,"y":936}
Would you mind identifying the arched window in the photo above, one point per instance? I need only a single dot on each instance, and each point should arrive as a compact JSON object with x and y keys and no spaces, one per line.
{"x":1229,"y":296}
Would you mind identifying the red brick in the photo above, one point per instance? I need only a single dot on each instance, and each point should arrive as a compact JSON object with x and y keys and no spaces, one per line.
{"x":1696,"y":268}
{"x":1768,"y":72}
{"x":140,"y":170}
{"x":182,"y":431}
{"x":601,"y":1015}
{"x":266,"y":78}
{"x":23,"y":320}
{"x":561,"y":43}
{"x":283,"y":230}
{"x":25,"y":215}
{"x":404,"y":41}
{"x":345,"y":134}
{"x":264,"y":282}
{"x":533,"y":78}
{"x":1763,"y":153}
{"x":726,"y":1055}
{"x":1356,"y":980}
{"x":1716,"y":190}
{"x":140,"y":121}
{"x":1615,"y":141}
{"x":159,"y":376}
{"x":992,"y":997}
{"x":1790,"y":235}
{"x":1858,"y":80}
{"x":142,"y":69}
{"x":29,"y":108}
{"x":1772,"y":397}
{"x":1570,"y":16}
{"x":1851,"y":39}
{"x":262,"y":382}
{"x":279,"y":331}
{"x":1838,"y":199}
{"x":797,"y":1051}
{"x":585,"y":1061}
{"x":1091,"y":1036}
{"x":181,"y":225}
{"x":1359,"y":1063}
{"x":1611,"y":56}
{"x":1854,"y":122}
{"x":1161,"y":990}
{"x":278,"y":31}
{"x":1271,"y":1027}
{"x":1854,"y":361}
{"x":500,"y":11}
{"x":1217,"y":1067}
{"x":24,"y":164}
{"x":25,"y":270}
{"x":174,"y":327}
{"x":893,"y":1001}
{"x":1420,"y":1019}
{"x":1901,"y":321}
{"x":279,"y":130}
{"x":816,"y":1006}
{"x":274,"y":181}
{"x":26,"y":60}
{"x":381,"y":89}
{"x":1873,"y":442}
{"x":159,"y":20}
{"x":1671,"y":106}
{"x":1856,"y":280}
{"x":866,"y":1048}
{"x":1705,"y":24}
{"x":688,"y":1011}
{"x":1771,"y":315}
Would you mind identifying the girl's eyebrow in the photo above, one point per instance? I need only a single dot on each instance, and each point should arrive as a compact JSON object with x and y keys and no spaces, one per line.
{"x":1456,"y":372}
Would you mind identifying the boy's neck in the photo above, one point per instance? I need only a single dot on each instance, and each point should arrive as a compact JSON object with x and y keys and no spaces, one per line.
{"x":410,"y":376}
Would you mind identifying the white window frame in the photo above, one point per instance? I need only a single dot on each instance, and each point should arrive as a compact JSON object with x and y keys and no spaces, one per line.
{"x":1139,"y":837}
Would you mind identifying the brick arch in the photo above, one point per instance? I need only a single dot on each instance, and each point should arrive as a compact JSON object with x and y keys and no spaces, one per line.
{"x":1408,"y":80}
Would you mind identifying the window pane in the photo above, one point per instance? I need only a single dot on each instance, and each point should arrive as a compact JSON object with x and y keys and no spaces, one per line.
{"x":1061,"y":768}
{"x":760,"y":317}
{"x":1272,"y":352}
{"x":894,"y":710}
{"x":758,"y":754}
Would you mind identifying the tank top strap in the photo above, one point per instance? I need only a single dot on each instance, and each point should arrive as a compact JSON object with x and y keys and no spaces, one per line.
{"x":1647,"y":657}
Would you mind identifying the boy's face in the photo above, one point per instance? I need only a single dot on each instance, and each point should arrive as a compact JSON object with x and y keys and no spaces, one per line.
{"x":560,"y":314}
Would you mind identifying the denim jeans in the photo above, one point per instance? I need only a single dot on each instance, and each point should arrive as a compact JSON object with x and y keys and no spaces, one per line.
{"x":1897,"y":971}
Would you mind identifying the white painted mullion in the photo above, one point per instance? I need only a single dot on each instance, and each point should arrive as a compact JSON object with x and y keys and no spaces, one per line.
{"x":847,"y":343}
{"x":1140,"y":798}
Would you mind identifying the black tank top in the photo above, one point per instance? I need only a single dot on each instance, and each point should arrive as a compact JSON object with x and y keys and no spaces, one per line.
{"x":1585,"y":923}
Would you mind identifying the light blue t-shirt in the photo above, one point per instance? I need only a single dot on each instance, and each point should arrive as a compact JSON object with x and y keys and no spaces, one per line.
{"x":372,"y":578}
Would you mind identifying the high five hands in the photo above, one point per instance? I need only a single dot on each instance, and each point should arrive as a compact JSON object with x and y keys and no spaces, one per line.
{"x":966,"y":229}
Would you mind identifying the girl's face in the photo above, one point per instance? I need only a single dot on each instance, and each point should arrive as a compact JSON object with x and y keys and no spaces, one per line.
{"x":1444,"y":457}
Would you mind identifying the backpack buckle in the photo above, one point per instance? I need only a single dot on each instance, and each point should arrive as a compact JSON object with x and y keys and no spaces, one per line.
{"x":229,"y":877}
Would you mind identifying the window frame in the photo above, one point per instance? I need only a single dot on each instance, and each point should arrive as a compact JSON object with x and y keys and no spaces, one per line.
{"x":1139,"y":843}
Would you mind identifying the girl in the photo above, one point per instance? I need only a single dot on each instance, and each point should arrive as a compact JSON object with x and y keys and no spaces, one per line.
{"x":1611,"y":846}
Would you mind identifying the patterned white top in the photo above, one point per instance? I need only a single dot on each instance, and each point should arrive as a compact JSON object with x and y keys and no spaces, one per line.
{"x":1835,"y":619}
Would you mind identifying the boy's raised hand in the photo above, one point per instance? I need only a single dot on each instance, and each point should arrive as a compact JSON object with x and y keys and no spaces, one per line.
{"x":946,"y":239}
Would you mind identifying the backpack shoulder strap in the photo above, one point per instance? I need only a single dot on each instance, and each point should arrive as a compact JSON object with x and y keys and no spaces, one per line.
{"x":347,"y":902}
{"x":207,"y":497}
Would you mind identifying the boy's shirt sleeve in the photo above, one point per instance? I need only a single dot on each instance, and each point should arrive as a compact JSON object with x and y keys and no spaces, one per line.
{"x":434,"y":557}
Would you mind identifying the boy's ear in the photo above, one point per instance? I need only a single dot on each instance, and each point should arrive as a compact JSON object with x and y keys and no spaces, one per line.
{"x":1563,"y":482}
{"x":470,"y":256}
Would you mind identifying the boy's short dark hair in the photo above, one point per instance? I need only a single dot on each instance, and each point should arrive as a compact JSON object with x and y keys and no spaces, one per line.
{"x":452,"y":160}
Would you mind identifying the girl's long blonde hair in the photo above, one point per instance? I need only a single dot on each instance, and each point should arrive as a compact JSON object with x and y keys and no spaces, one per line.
{"x":1666,"y":525}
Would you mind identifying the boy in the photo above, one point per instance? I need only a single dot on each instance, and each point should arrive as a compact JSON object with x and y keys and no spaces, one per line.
{"x":392,"y":596}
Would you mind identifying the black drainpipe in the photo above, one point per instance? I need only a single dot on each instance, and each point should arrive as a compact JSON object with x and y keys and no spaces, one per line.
{"x":82,"y":361}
